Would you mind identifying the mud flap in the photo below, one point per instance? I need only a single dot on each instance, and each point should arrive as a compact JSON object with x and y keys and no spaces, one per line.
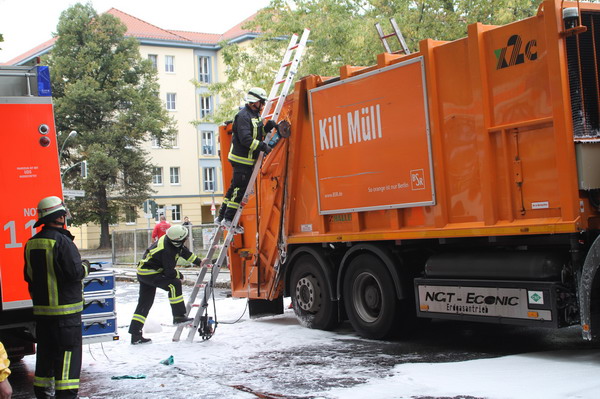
{"x":586,"y":285}
{"x":263,"y":307}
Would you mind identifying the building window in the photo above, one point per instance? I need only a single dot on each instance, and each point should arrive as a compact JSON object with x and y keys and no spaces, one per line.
{"x":169,"y":63}
{"x":204,"y":69}
{"x":154,"y":60}
{"x":171,"y":97}
{"x":209,"y":179}
{"x":130,"y":215}
{"x":205,"y":106}
{"x":155,"y":142}
{"x":208,"y":147}
{"x":157,"y":176}
{"x":174,"y":175}
{"x":175,"y":141}
{"x":176,"y":213}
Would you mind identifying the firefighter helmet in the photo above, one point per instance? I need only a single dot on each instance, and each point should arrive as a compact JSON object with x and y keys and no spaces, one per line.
{"x":50,"y":209}
{"x":177,"y":234}
{"x":256,"y":94}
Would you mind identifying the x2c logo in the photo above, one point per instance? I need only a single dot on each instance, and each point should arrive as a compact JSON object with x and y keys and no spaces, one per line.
{"x":513,"y":54}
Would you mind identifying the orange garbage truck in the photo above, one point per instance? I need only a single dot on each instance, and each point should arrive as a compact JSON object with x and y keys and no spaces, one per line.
{"x":458,"y":182}
{"x":29,"y":171}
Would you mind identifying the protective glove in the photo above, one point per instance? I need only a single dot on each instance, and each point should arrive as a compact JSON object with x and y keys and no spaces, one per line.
{"x":271,"y":124}
{"x":264,"y":147}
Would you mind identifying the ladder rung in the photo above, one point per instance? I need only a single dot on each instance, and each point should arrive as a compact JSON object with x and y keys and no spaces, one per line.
{"x":294,"y":47}
{"x":287,"y":65}
{"x":281,"y":81}
{"x":386,"y":36}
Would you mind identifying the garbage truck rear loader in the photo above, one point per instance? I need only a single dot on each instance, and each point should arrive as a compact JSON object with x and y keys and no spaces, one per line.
{"x":458,"y":182}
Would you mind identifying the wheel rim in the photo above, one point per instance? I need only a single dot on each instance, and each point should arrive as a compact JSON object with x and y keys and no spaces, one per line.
{"x":308,"y":294}
{"x":367,"y":297}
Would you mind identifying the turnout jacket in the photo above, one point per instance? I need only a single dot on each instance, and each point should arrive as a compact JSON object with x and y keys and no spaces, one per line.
{"x":161,"y":258}
{"x":53,"y":270}
{"x":4,"y":363}
{"x":247,"y":137}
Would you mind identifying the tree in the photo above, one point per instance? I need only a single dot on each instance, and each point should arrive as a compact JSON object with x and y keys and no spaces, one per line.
{"x":342,"y":33}
{"x":104,"y":90}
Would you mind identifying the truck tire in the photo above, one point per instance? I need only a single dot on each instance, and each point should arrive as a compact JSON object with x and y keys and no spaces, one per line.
{"x":311,"y":295}
{"x":370,"y":298}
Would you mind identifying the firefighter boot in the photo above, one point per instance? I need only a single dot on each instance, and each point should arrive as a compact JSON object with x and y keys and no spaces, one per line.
{"x":139,"y":339}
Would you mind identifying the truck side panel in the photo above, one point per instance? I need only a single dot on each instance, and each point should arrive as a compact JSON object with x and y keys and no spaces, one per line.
{"x":29,"y":171}
{"x":498,"y":150}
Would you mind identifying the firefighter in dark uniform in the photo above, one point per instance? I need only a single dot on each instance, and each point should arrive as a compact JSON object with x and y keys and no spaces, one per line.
{"x":157,"y":269}
{"x":246,"y":145}
{"x":54,"y":271}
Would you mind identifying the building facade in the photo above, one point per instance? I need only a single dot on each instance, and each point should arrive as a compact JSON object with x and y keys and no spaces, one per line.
{"x":186,"y":177}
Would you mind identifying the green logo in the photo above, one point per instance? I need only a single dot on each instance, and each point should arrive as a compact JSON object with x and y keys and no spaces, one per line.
{"x":536,"y":297}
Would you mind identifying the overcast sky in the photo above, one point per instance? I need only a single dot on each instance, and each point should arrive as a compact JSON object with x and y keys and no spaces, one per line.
{"x":28,"y":23}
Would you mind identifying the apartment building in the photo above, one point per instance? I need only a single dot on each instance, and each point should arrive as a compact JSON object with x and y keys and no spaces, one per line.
{"x":187,"y":175}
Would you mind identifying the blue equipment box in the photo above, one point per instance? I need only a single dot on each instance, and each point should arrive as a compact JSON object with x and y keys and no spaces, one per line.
{"x":98,"y":304}
{"x":95,"y":326}
{"x":103,"y":280}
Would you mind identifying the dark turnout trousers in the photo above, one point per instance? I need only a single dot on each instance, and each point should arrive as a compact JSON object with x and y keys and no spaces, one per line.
{"x":58,"y":358}
{"x":148,"y":285}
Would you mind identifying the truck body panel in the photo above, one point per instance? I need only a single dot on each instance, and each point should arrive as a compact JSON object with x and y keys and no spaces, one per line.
{"x":29,"y":171}
{"x":478,"y":149}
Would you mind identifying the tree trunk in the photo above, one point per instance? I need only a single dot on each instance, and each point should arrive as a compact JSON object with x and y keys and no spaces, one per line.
{"x":104,"y":235}
{"x":104,"y":219}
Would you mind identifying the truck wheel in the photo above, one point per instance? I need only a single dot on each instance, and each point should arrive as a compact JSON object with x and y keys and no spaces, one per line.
{"x":311,"y":295}
{"x":370,"y":298}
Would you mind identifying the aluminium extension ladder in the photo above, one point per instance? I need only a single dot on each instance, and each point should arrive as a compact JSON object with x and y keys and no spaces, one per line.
{"x":271,"y":110}
{"x":404,"y":48}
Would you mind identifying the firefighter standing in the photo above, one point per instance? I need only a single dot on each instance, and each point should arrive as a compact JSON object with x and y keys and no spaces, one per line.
{"x":157,"y":269}
{"x":246,"y":144}
{"x":54,"y":271}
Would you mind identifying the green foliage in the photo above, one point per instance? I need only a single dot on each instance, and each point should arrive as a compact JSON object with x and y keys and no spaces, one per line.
{"x":109,"y":95}
{"x":343,"y":33}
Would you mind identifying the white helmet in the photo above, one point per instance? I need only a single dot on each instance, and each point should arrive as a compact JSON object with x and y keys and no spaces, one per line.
{"x":177,"y":234}
{"x":256,"y":94}
{"x":50,"y":209}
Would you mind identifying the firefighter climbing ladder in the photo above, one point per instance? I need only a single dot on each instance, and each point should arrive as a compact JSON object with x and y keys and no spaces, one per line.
{"x":404,"y":48}
{"x":272,"y":109}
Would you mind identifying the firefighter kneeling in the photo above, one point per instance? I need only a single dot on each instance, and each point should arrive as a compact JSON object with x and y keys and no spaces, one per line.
{"x":157,"y":269}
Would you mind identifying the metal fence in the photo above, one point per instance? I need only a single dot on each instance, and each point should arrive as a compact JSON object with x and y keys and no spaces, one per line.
{"x":128,"y":246}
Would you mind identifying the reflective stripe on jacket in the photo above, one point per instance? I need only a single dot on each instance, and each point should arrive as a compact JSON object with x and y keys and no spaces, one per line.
{"x":54,"y":272}
{"x":247,"y":135}
{"x":161,"y":258}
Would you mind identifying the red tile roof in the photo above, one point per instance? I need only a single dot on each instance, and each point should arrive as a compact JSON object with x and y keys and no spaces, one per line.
{"x":144,"y":30}
{"x":238,"y":31}
{"x":34,"y":52}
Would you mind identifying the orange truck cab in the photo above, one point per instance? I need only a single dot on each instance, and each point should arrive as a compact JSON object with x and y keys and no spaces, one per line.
{"x":458,"y":182}
{"x":29,"y":171}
